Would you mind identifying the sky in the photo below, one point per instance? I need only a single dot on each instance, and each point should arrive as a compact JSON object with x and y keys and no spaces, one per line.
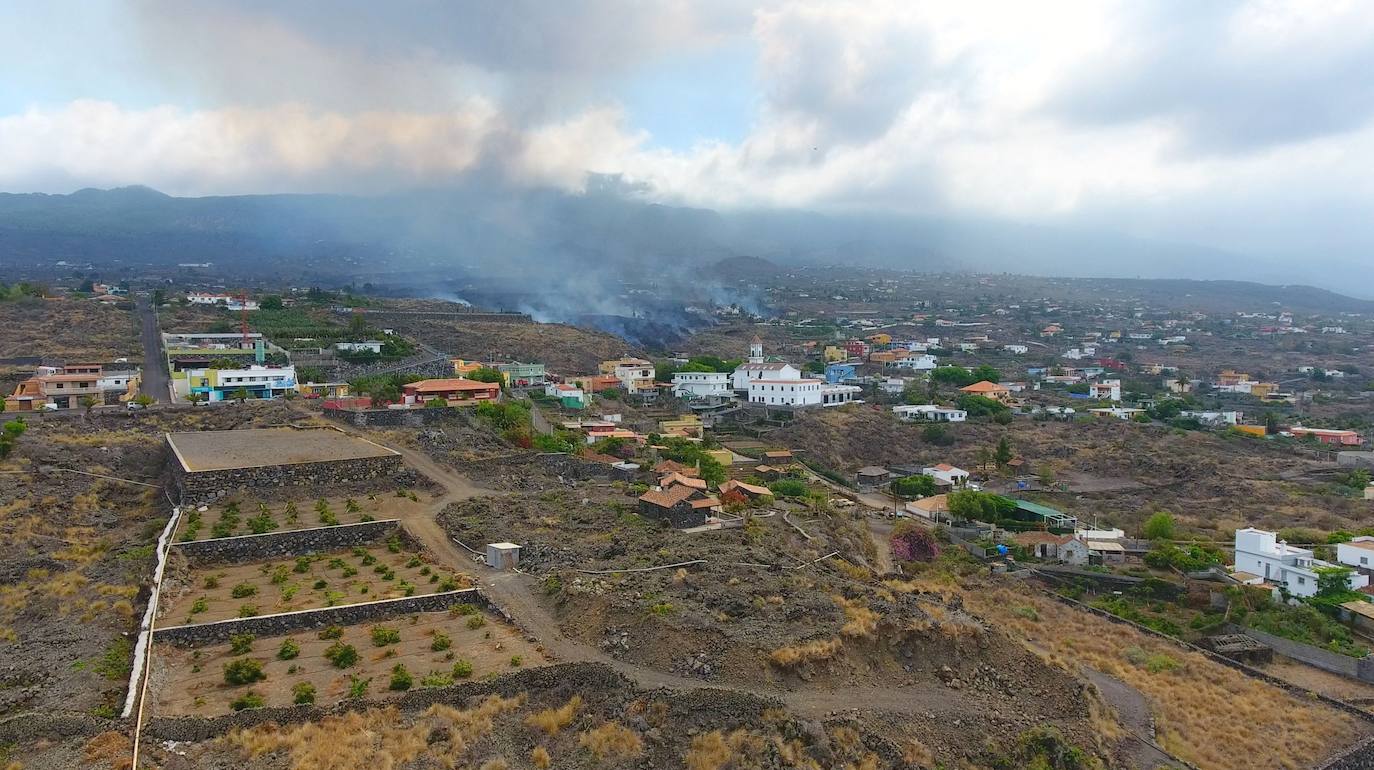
{"x":1246,"y":127}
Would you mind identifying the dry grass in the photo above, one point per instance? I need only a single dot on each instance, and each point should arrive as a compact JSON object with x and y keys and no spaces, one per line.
{"x":539,"y":757}
{"x":860,"y":621}
{"x":553,"y":720}
{"x":109,"y":749}
{"x":612,"y":740}
{"x":1208,"y":714}
{"x":715,"y":750}
{"x":804,"y":654}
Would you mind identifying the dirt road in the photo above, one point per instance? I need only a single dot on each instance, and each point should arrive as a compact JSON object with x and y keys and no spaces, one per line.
{"x":1134,"y":712}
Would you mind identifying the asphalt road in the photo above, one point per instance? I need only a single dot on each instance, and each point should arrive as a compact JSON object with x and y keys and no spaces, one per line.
{"x":155,"y":382}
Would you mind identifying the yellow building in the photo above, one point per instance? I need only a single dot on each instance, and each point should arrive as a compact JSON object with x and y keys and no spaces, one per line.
{"x":1253,"y":430}
{"x":689,"y":425}
{"x":463,"y":367}
{"x":1263,"y":389}
{"x":881,"y":338}
{"x":832,"y":354}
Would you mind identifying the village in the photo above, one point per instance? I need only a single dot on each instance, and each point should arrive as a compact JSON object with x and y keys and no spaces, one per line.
{"x":362,"y":511}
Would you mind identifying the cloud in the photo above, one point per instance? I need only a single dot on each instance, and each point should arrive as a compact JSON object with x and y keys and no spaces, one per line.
{"x":1214,"y":122}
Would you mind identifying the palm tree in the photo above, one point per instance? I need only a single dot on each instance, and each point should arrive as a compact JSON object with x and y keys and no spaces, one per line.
{"x":89,"y":403}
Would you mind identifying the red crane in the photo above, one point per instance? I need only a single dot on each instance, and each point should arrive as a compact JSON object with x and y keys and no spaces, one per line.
{"x":243,"y":317}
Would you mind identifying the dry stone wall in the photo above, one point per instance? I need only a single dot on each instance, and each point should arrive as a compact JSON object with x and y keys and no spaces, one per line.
{"x":300,"y":542}
{"x":364,"y":473}
{"x":300,"y":620}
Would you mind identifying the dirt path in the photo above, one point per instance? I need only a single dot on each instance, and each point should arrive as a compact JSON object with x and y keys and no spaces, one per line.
{"x":1134,"y":712}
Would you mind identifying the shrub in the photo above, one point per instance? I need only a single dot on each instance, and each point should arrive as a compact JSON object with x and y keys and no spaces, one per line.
{"x":476,"y":621}
{"x":248,"y":610}
{"x":357,"y":688}
{"x":303,"y":565}
{"x":289,"y":649}
{"x":1160,"y":526}
{"x":912,"y":542}
{"x":384,"y":635}
{"x":248,"y":700}
{"x":612,"y":739}
{"x":199,"y":605}
{"x":436,"y":679}
{"x":400,"y":678}
{"x":551,"y":721}
{"x":302,"y":693}
{"x":450,"y":583}
{"x":341,"y":655}
{"x":243,"y":671}
{"x":802,"y":654}
{"x":240,"y":643}
{"x":243,"y":590}
{"x":462,"y":669}
{"x":332,"y":632}
{"x":440,"y":642}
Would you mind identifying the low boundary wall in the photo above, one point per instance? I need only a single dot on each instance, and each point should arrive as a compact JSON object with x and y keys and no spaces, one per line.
{"x":1354,"y":668}
{"x":296,"y":542}
{"x":298,"y":620}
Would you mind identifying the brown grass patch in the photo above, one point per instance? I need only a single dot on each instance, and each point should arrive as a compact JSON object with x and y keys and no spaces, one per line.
{"x":861,"y":622}
{"x":553,"y":720}
{"x":539,"y":757}
{"x":803,"y":654}
{"x":109,"y":749}
{"x":612,"y":740}
{"x":1206,"y":713}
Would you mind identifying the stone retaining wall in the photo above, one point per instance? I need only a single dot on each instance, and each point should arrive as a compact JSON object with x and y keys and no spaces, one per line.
{"x":363,"y":473}
{"x":300,"y":542}
{"x":287,"y":622}
{"x":1344,"y":665}
{"x":24,"y":729}
{"x":394,"y":418}
{"x":1357,"y":757}
{"x":567,"y":678}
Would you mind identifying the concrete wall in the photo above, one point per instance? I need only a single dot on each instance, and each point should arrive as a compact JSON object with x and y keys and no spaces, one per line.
{"x":339,"y":476}
{"x":288,"y":622}
{"x":300,"y":542}
{"x":1354,"y":668}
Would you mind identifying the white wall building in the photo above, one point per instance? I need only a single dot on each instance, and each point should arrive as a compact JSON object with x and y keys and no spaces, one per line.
{"x":1106,"y":389}
{"x":1262,"y":557}
{"x":701,"y":384}
{"x":1358,"y":553}
{"x":947,"y":473}
{"x":800,"y":392}
{"x":1016,"y":350}
{"x":919,"y":363}
{"x":635,"y":374}
{"x":749,"y":373}
{"x":366,"y":346}
{"x":930,"y":412}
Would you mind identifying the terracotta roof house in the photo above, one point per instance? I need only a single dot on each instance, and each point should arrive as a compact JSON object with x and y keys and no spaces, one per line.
{"x":678,"y":506}
{"x":684,"y":480}
{"x":673,"y":466}
{"x":782,"y":456}
{"x":453,"y":389}
{"x":1043,"y":545}
{"x":988,"y":390}
{"x":746,"y":489}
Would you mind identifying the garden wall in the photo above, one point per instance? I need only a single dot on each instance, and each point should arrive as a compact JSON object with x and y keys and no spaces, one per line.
{"x":337,"y":475}
{"x":343,"y":615}
{"x":1336,"y":663}
{"x":300,"y":542}
{"x":393,"y":418}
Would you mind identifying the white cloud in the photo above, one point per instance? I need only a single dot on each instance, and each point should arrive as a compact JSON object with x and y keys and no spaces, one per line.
{"x":1094,"y":112}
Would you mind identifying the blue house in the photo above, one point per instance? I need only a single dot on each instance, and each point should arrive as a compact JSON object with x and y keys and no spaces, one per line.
{"x":837,"y":373}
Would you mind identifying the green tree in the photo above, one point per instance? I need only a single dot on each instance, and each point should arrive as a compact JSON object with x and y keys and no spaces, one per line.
{"x":952,"y":375}
{"x":271,"y":302}
{"x":88,"y":403}
{"x":241,"y":395}
{"x":143,"y":399}
{"x":1160,"y":526}
{"x":487,"y":374}
{"x":985,"y":372}
{"x":914,"y":486}
{"x":1003,"y":453}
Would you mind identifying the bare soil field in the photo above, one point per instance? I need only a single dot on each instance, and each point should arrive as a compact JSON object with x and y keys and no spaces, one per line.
{"x":69,"y":330}
{"x":259,"y":447}
{"x":76,"y":549}
{"x":246,"y":512}
{"x":192,"y":682}
{"x":365,"y":573}
{"x":1118,"y":472}
{"x":563,"y":349}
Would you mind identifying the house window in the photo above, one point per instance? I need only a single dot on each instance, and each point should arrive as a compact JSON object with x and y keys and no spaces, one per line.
{"x":1364,"y":559}
{"x":1302,"y":581}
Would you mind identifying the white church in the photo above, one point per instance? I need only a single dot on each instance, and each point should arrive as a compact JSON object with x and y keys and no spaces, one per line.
{"x":777,"y":383}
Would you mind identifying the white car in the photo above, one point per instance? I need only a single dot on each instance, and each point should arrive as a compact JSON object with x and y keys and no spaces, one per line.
{"x":50,"y":407}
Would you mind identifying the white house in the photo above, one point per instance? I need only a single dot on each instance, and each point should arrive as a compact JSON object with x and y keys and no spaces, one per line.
{"x":1016,"y":350}
{"x":635,"y":374}
{"x":920,"y":363}
{"x":800,"y":392}
{"x":931,"y":412}
{"x":1262,"y":558}
{"x":366,"y":346}
{"x":1358,"y":553}
{"x":227,"y":300}
{"x":944,"y":472}
{"x":1106,"y":389}
{"x":1119,"y":412}
{"x":1214,"y":418}
{"x":702,"y":384}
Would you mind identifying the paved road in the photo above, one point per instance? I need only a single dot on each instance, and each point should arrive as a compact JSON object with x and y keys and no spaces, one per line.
{"x":156,"y":382}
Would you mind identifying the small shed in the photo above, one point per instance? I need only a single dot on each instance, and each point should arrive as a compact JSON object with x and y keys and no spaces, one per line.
{"x":503,"y":555}
{"x":872,"y":476}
